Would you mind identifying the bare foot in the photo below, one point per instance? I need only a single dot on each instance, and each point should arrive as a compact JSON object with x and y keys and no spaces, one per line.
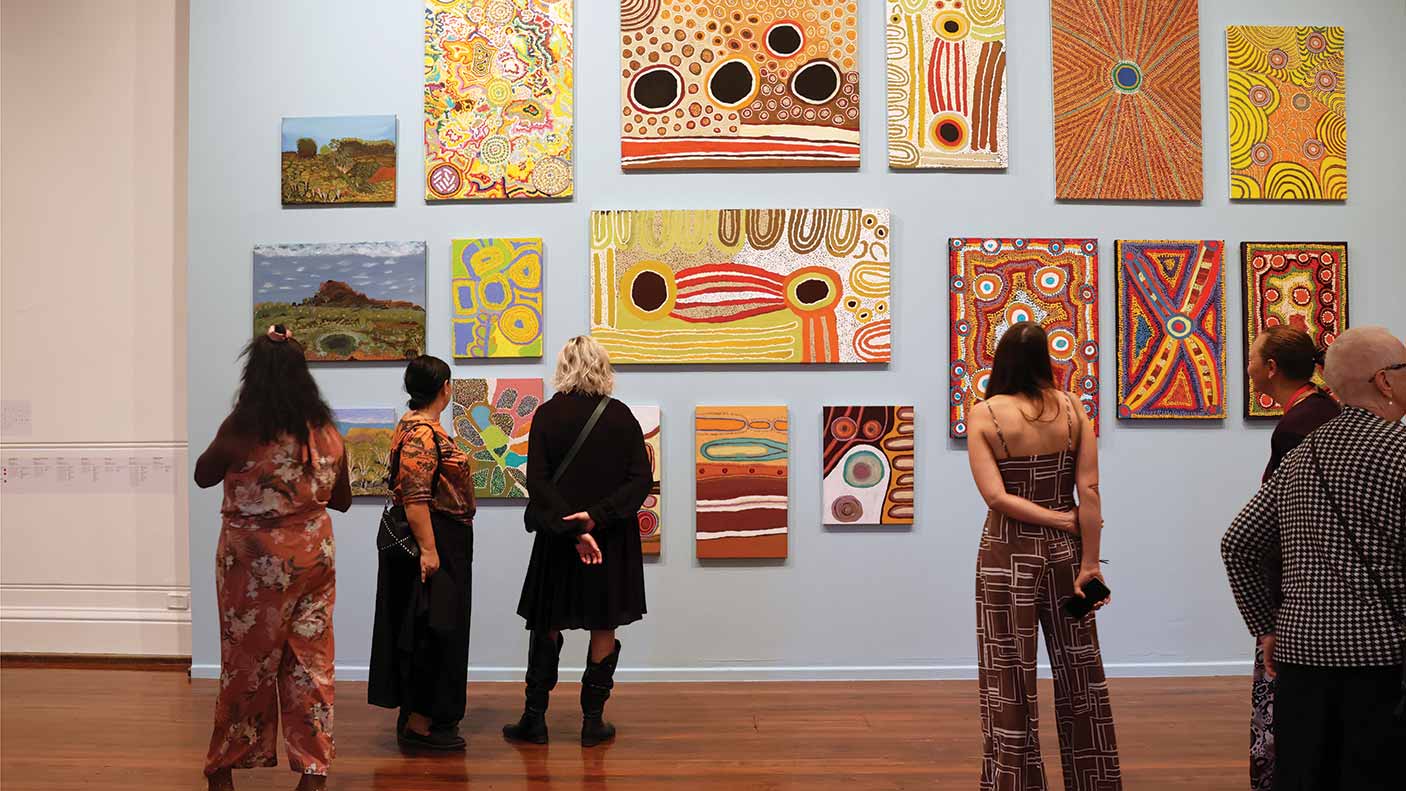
{"x":222,"y":780}
{"x":312,"y":783}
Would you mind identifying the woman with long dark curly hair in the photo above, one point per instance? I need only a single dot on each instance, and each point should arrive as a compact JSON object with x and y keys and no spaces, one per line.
{"x":283,"y":465}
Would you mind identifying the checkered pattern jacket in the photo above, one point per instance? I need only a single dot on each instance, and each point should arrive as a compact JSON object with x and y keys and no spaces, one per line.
{"x":1332,"y":614}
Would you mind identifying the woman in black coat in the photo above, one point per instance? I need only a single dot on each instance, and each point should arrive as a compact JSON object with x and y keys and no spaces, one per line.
{"x":586,"y":570}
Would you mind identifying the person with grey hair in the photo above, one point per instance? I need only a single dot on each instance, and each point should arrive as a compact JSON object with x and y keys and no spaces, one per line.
{"x":1337,"y":644}
{"x":588,"y":473}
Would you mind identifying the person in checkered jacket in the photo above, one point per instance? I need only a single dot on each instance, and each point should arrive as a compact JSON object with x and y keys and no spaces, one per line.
{"x":1336,"y":508}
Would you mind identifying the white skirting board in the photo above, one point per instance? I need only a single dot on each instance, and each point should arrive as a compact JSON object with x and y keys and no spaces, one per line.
{"x":99,"y":619}
{"x":1237,"y":667}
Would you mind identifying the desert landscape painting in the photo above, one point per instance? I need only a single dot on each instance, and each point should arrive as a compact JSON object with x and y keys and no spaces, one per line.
{"x":367,"y":434}
{"x":339,"y":159}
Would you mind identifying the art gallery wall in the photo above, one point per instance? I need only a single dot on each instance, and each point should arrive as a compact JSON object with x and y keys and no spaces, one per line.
{"x":92,"y":148}
{"x":854,"y":603}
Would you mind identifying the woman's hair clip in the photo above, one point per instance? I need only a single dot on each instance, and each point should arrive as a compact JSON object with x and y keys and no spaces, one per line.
{"x":279,"y":334}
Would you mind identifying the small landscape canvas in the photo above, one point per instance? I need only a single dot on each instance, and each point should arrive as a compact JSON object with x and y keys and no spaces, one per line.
{"x":367,"y":435}
{"x":339,"y":159}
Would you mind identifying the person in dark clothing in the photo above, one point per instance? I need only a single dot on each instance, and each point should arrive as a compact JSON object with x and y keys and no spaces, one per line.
{"x":1281,"y":365}
{"x":586,"y":570}
{"x":420,"y":640}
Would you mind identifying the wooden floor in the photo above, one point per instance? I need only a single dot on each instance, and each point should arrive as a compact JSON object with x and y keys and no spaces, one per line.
{"x":67,"y":729}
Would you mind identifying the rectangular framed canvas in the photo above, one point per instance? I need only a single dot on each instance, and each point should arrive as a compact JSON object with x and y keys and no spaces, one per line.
{"x":743,"y":463}
{"x":1127,"y":100}
{"x":1171,"y":329}
{"x":497,"y":293}
{"x":868,"y":474}
{"x":367,"y":435}
{"x":498,"y":99}
{"x":996,"y":283}
{"x":338,"y":159}
{"x":652,"y":512}
{"x":786,"y":286}
{"x":358,"y":301}
{"x":946,"y":84}
{"x":720,"y":84}
{"x":1303,"y":284}
{"x":1288,"y":112}
{"x":492,"y":418}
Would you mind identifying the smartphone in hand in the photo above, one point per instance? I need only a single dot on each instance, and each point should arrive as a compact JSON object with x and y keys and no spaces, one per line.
{"x":1094,"y":592}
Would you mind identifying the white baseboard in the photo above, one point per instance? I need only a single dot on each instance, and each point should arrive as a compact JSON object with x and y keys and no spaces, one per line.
{"x":852,"y":673}
{"x":115,"y":620}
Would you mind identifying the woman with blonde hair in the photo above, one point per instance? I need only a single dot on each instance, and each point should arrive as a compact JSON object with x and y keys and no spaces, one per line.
{"x":588,"y":474}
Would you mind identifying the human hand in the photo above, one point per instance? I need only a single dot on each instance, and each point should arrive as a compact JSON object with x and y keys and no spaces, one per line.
{"x":429,"y":563}
{"x":587,"y":523}
{"x":1267,"y":646}
{"x":1086,"y":574}
{"x":1068,"y":522}
{"x":588,"y":550}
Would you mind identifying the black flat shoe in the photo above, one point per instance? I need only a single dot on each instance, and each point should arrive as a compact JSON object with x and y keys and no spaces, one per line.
{"x":434,"y":740}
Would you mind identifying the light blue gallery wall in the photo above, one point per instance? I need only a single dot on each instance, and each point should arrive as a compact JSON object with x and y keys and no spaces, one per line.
{"x":863,"y":604}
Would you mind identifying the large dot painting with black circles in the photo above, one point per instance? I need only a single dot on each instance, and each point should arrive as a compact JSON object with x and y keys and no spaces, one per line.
{"x":739,"y":84}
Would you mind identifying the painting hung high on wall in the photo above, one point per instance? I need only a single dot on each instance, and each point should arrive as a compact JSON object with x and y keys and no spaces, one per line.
{"x":996,"y":283}
{"x":868,"y":473}
{"x":1127,"y":99}
{"x":946,"y":84}
{"x":1301,"y":284}
{"x":498,"y":99}
{"x":1171,"y":329}
{"x":743,"y":459}
{"x":344,"y":301}
{"x":723,"y":84}
{"x":652,"y":512}
{"x":1288,"y":113}
{"x":339,"y":159}
{"x":492,"y":418}
{"x":741,"y":285}
{"x":367,"y":436}
{"x":497,"y":292}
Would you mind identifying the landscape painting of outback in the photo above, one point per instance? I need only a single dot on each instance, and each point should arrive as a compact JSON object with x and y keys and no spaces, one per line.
{"x":359,"y":301}
{"x":339,"y":159}
{"x":367,"y":435}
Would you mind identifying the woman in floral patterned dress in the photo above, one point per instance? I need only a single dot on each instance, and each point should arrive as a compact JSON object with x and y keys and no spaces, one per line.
{"x":282,"y":464}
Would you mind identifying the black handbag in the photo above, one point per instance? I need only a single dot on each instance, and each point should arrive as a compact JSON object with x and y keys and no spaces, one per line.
{"x":394,"y":535}
{"x":1383,"y":592}
{"x":531,"y":517}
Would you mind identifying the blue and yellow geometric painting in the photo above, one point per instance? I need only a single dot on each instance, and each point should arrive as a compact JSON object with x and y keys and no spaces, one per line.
{"x":497,"y":291}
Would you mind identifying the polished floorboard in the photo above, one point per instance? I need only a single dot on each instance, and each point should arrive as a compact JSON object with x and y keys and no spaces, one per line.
{"x":109,"y":729}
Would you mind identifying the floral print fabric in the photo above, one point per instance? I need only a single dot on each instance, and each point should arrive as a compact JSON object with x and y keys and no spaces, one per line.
{"x":275,"y":578}
{"x":416,"y":437}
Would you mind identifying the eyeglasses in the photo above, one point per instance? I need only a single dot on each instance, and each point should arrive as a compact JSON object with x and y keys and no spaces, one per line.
{"x":1386,"y":370}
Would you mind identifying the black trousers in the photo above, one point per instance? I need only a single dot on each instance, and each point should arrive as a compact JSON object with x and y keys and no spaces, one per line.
{"x":1335,"y":729}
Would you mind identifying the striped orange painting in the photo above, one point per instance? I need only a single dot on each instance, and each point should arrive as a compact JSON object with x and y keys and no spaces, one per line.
{"x":742,"y":460}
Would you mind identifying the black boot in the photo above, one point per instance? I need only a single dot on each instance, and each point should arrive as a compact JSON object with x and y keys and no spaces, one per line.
{"x":543,"y":653}
{"x":596,"y":684}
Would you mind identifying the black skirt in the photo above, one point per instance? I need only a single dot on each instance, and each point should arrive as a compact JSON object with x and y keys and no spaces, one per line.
{"x":561,"y":592}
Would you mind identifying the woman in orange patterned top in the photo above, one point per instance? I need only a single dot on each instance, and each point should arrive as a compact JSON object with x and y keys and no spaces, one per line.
{"x":282,"y":464}
{"x":420,"y":641}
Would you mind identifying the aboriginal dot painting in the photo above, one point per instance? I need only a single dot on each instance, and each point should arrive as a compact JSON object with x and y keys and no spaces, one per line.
{"x":652,"y":512}
{"x":946,"y":83}
{"x":743,"y":461}
{"x":868,"y":469}
{"x":498,"y":99}
{"x":1127,"y":99}
{"x":997,"y":283}
{"x":741,"y":285}
{"x":492,"y":419}
{"x":739,"y":84}
{"x":1303,"y":284}
{"x":1288,"y":113}
{"x":1171,"y":329}
{"x":497,"y":291}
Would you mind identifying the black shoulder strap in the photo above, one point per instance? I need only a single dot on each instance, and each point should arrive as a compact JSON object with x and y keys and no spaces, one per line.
{"x":581,"y":438}
{"x":1382,"y":590}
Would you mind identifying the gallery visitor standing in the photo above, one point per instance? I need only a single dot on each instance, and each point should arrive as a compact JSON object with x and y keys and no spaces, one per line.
{"x":1281,"y":365}
{"x":282,"y":463}
{"x":588,"y":473}
{"x":1031,"y":447}
{"x":420,"y":640}
{"x":1335,"y":637}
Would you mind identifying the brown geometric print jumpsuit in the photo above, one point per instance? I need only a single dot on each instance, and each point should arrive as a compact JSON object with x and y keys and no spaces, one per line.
{"x":1024,"y":573}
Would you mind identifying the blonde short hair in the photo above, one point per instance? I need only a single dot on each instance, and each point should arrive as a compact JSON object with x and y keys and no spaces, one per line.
{"x":584,"y":367}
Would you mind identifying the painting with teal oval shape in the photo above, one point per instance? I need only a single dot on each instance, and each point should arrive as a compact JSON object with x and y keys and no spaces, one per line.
{"x":492,"y":418}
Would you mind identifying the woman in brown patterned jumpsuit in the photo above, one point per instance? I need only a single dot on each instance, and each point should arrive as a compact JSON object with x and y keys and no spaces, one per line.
{"x":1030,"y":448}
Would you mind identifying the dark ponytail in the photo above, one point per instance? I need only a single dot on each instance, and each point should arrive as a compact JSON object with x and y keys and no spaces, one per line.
{"x":1292,"y":351}
{"x":424,"y":379}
